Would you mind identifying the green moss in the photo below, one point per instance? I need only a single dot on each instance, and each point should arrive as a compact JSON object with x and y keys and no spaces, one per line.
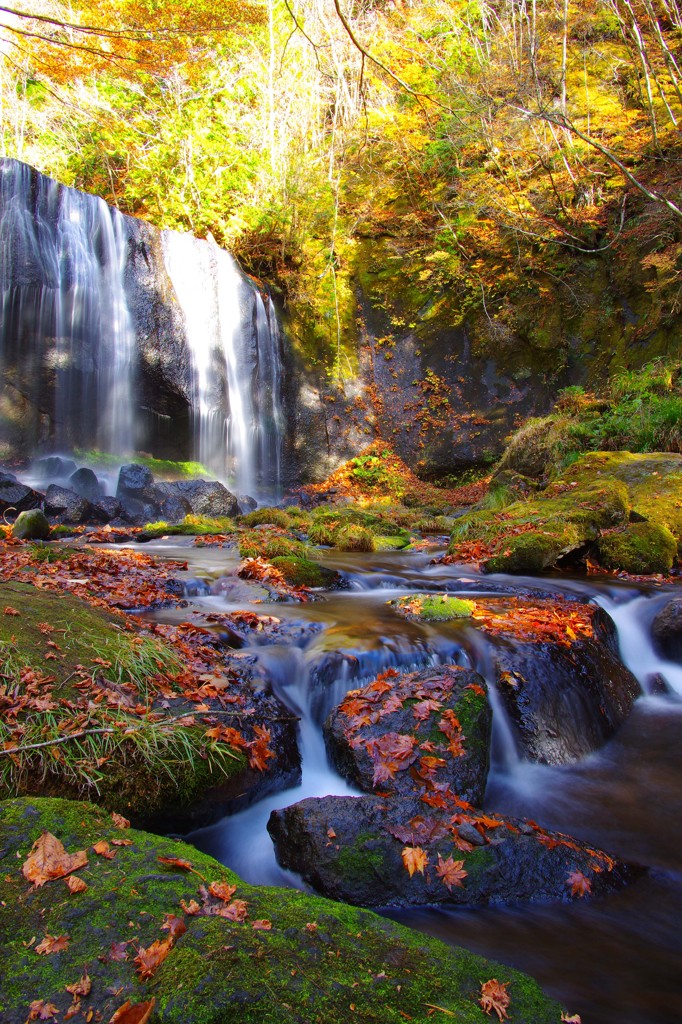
{"x":434,"y":607}
{"x":364,"y":859}
{"x":31,"y":525}
{"x":161,"y":468}
{"x":392,"y":543}
{"x":354,"y":538}
{"x":269,"y":544}
{"x":301,"y":572}
{"x":317,"y":959}
{"x":640,"y":548}
{"x":191,"y":526}
{"x":273,"y":516}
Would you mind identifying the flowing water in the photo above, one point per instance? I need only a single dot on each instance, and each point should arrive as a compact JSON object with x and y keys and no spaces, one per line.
{"x":612,"y":960}
{"x":235,"y":353}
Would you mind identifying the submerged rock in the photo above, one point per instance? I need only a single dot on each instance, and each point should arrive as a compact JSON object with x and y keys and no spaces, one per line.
{"x":232,"y":951}
{"x":376,"y":852}
{"x":403,"y":733}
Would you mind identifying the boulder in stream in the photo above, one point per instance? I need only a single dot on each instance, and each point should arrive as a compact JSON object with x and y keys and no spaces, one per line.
{"x":404,"y":733}
{"x":566,"y":693}
{"x":376,"y":852}
{"x":666,"y":630}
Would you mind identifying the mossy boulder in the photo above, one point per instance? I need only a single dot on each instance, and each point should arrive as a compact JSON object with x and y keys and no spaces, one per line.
{"x":599,"y":492}
{"x":190,"y":526}
{"x":302,"y":572}
{"x":353,"y":529}
{"x":639,"y":548}
{"x":357,"y":849}
{"x":436,"y":720}
{"x":272,"y":543}
{"x":78,"y":670}
{"x":433,"y":607}
{"x":294,"y":959}
{"x":31,"y":525}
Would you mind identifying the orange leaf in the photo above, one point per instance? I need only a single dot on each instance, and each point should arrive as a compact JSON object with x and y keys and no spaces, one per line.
{"x":222,"y":891}
{"x":129,"y":1014}
{"x":494,"y":996}
{"x":75,"y":884}
{"x":262,"y":926}
{"x":235,"y":911}
{"x":119,"y":821}
{"x":41,"y":1010}
{"x":102,"y":850}
{"x":121,"y":842}
{"x":176,"y":862}
{"x":580,"y":884}
{"x":52,"y":944}
{"x":150,"y":959}
{"x":414,"y":859}
{"x":81,"y":987}
{"x":48,"y":859}
{"x":190,"y":908}
{"x":11,"y":611}
{"x":175,"y":926}
{"x":450,"y":872}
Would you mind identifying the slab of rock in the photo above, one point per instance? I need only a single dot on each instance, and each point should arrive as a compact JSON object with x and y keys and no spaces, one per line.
{"x":406,"y":732}
{"x":565,"y":697}
{"x":14,"y":495}
{"x":666,"y":630}
{"x":65,"y":505}
{"x":204,"y":497}
{"x":361,"y":850}
{"x":135,"y":481}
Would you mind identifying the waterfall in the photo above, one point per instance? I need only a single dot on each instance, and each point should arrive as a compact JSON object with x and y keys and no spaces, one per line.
{"x":235,"y":350}
{"x":65,"y":324}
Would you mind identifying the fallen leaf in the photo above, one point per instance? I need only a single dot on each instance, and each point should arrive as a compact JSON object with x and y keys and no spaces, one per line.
{"x":121,"y":842}
{"x":133,"y":1014}
{"x":494,"y":996}
{"x":75,"y":884}
{"x":52,"y":944}
{"x":235,"y":911}
{"x":81,"y":987}
{"x":176,"y":862}
{"x":117,"y":951}
{"x":450,"y":872}
{"x":41,"y":1010}
{"x":150,"y":959}
{"x":580,"y":884}
{"x":222,"y":891}
{"x":119,"y":821}
{"x":48,"y":859}
{"x":573,"y":1019}
{"x":11,"y":611}
{"x":261,"y":926}
{"x":414,"y":859}
{"x":102,"y":850}
{"x":74,"y":1009}
{"x":175,"y":926}
{"x":190,"y":908}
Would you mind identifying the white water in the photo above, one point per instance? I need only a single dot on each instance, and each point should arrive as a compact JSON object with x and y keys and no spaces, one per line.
{"x":64,"y":307}
{"x":234,"y":347}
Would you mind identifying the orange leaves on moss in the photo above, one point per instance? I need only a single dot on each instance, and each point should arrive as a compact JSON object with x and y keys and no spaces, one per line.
{"x":49,"y":860}
{"x":495,"y":997}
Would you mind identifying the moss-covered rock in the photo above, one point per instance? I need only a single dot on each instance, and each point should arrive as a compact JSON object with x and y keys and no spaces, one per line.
{"x":353,"y":537}
{"x":294,"y":959}
{"x":434,"y":607}
{"x":31,"y":525}
{"x":639,"y":548}
{"x":190,"y":526}
{"x":302,"y":572}
{"x":272,"y":543}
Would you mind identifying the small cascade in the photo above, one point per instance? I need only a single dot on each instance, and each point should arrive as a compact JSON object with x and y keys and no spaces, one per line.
{"x":66,"y":327}
{"x":235,"y":351}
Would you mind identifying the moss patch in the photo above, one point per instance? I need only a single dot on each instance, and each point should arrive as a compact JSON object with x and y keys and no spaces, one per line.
{"x":301,"y":572}
{"x":434,"y":607}
{"x":641,"y":549}
{"x":318,"y":962}
{"x":191,"y":525}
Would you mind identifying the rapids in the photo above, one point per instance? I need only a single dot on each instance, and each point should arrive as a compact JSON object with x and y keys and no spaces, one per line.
{"x":612,"y":960}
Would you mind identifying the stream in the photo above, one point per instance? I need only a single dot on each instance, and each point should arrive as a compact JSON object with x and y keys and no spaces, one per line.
{"x":611,"y":960}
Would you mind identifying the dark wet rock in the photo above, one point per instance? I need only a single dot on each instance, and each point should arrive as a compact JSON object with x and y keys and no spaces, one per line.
{"x":565,"y":699}
{"x":302,"y":572}
{"x":136,"y":512}
{"x":351,"y":848}
{"x":205,"y":497}
{"x":173,"y":508}
{"x":106,"y":508}
{"x":246,"y":503}
{"x":14,"y":495}
{"x":196,"y":587}
{"x":436,"y":721}
{"x":84,"y":482}
{"x":53,"y":467}
{"x":135,"y":482}
{"x":214,"y":972}
{"x":66,"y":506}
{"x":666,"y":630}
{"x":31,"y":525}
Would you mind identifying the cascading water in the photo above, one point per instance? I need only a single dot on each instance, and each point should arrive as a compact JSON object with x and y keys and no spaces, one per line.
{"x":65,"y":318}
{"x":234,"y":346}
